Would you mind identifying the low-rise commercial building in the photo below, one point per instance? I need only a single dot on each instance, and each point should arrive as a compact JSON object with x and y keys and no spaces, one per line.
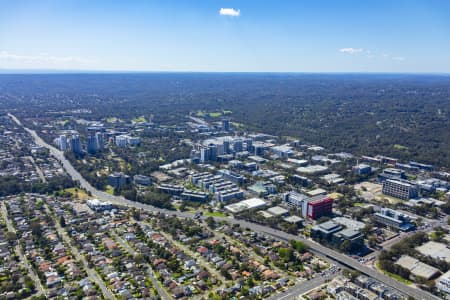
{"x":97,"y":205}
{"x":362,"y":169}
{"x":325,"y":230}
{"x":170,"y":189}
{"x":418,"y":268}
{"x":435,"y":250}
{"x":394,"y":219}
{"x":142,"y":180}
{"x":253,"y":203}
{"x":194,"y":196}
{"x":443,"y":283}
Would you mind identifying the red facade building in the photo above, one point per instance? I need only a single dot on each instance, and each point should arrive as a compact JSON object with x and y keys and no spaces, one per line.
{"x":317,"y":208}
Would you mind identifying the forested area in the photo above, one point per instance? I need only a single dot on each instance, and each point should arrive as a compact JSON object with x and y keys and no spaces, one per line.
{"x":405,"y":116}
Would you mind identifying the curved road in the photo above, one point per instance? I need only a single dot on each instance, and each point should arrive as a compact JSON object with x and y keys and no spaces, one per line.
{"x":333,"y":255}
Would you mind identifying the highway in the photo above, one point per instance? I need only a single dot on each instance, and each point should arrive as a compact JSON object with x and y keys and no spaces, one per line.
{"x":317,"y":248}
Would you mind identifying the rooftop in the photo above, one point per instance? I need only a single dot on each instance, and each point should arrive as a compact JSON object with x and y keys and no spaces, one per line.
{"x":245,"y":205}
{"x":277,"y":211}
{"x":435,"y":250}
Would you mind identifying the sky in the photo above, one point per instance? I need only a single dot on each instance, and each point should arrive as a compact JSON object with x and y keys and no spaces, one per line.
{"x":397,"y":36}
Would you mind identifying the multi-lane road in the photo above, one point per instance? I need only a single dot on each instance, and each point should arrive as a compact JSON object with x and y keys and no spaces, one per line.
{"x":317,"y":248}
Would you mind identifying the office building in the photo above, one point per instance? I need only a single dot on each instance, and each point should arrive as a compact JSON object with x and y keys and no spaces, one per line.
{"x":294,"y":199}
{"x":121,"y":141}
{"x":391,"y":173}
{"x":229,"y":194}
{"x":118,"y":180}
{"x":423,"y":167}
{"x":353,"y":236}
{"x":170,"y":189}
{"x":142,"y":180}
{"x":75,"y":144}
{"x":259,"y":149}
{"x":226,"y":124}
{"x":91,"y":144}
{"x":335,"y":235}
{"x":401,"y":189}
{"x":204,"y":155}
{"x":283,"y":151}
{"x":362,"y":169}
{"x":62,"y":143}
{"x":262,"y":188}
{"x":238,"y":145}
{"x":394,"y":219}
{"x":231,"y":176}
{"x":133,"y":140}
{"x":212,"y":152}
{"x":407,"y":167}
{"x":316,"y":207}
{"x":195,"y":196}
{"x":100,"y":140}
{"x":249,"y":145}
{"x":301,"y":180}
{"x":226,"y":147}
{"x":324,"y":231}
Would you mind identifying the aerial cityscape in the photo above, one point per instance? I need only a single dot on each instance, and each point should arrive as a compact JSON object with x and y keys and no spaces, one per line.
{"x":198,"y":179}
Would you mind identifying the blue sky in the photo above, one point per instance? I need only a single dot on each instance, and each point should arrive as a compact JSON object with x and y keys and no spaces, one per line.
{"x":248,"y":36}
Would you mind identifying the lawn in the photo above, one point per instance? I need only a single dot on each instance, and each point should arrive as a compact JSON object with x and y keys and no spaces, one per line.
{"x":400,"y":147}
{"x":215,"y":214}
{"x":237,"y":125}
{"x":109,"y":189}
{"x":140,"y":119}
{"x":215,"y":114}
{"x":111,"y":120}
{"x":78,"y":193}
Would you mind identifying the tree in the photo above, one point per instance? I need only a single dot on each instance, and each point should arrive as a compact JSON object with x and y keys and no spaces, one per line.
{"x":11,"y":237}
{"x":299,"y":246}
{"x":211,"y":222}
{"x":62,"y":221}
{"x":372,"y":241}
{"x":36,"y":229}
{"x":345,"y":246}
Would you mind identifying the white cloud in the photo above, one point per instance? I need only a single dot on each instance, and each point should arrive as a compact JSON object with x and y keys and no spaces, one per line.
{"x":230,"y":12}
{"x":351,"y":50}
{"x":371,"y":54}
{"x":8,"y":59}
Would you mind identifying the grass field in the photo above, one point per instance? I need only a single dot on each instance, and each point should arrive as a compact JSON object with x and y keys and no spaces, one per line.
{"x":213,"y":114}
{"x":140,"y":119}
{"x":400,"y":147}
{"x":112,"y":120}
{"x":78,"y":193}
{"x":215,"y":214}
{"x":109,"y":190}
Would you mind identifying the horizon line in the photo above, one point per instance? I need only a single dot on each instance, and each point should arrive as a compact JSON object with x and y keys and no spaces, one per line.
{"x":84,"y":71}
